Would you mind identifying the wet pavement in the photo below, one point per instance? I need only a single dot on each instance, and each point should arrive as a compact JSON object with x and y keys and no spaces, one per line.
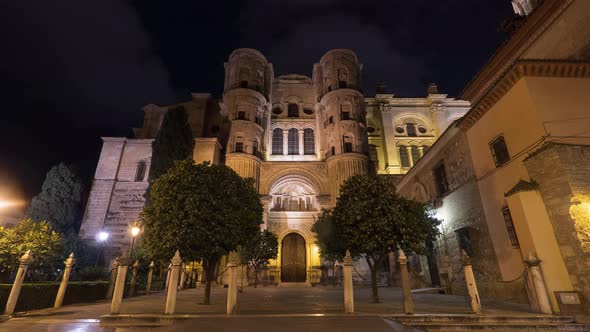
{"x":261,"y":309}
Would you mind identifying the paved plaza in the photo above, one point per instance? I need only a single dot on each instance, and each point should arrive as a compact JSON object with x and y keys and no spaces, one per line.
{"x":259,"y":309}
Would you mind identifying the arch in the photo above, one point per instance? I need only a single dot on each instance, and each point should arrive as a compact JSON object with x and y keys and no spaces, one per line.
{"x":348,"y":143}
{"x":294,"y":193}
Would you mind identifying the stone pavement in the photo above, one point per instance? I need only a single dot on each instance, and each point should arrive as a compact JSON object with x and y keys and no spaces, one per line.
{"x":290,"y":308}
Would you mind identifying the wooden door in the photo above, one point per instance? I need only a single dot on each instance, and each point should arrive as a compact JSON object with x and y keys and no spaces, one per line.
{"x":293,"y":258}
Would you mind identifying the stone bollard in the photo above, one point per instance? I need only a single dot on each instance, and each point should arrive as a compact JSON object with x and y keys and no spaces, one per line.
{"x":124,"y":263}
{"x":471,"y":285}
{"x":173,"y":281}
{"x":182,"y":277}
{"x":133,"y":278}
{"x":64,"y":281}
{"x":232,"y":289}
{"x":533,"y":264}
{"x":148,"y":286}
{"x":112,"y":280}
{"x":25,"y":261}
{"x":348,"y":290}
{"x":406,"y":289}
{"x":168,"y":277}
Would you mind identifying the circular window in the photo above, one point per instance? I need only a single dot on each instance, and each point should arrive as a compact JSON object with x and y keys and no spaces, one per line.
{"x":277,"y":111}
{"x":308,"y":111}
{"x":422,"y":130}
{"x":400,"y":130}
{"x":370,"y":130}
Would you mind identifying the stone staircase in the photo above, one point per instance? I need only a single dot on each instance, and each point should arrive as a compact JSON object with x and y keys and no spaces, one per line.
{"x":503,"y":323}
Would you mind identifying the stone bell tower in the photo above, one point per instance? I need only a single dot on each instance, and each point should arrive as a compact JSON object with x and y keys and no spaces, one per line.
{"x":246,"y":96}
{"x":337,"y":79}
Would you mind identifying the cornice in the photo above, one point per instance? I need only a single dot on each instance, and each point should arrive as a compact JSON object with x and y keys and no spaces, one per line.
{"x":520,"y":69}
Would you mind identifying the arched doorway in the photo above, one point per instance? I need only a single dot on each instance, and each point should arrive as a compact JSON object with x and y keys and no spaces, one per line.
{"x":293,"y":258}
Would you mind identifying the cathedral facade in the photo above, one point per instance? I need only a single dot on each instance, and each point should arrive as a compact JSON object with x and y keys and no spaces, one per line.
{"x":298,"y":137}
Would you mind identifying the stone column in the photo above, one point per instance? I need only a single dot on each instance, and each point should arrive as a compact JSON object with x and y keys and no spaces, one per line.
{"x":301,"y":141}
{"x":348,"y":290}
{"x":133,"y":278}
{"x":112,"y":280}
{"x":124,"y":263}
{"x":25,"y":261}
{"x":405,"y":279}
{"x":285,"y":142}
{"x":410,"y":157}
{"x":148,"y":286}
{"x":421,"y":151}
{"x":172,"y":282}
{"x":533,"y":263}
{"x":69,"y":262}
{"x":232,"y":289}
{"x":182,"y":276}
{"x":471,"y":285}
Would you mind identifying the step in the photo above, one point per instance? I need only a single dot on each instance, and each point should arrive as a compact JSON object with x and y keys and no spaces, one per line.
{"x":487,"y":319}
{"x":457,"y":327}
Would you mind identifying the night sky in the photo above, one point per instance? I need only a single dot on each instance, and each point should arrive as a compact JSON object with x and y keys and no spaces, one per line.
{"x":72,"y":71}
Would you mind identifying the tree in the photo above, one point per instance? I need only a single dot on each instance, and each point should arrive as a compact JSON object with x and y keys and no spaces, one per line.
{"x":331,"y":247}
{"x":372,"y":221}
{"x":59,"y":200}
{"x":44,"y":243}
{"x":174,"y":142}
{"x":203,"y":210}
{"x":258,"y":251}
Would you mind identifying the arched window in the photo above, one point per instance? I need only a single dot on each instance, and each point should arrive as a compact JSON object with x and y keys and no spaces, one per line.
{"x":140,"y":171}
{"x":255,"y":148}
{"x":308,"y":141}
{"x":342,"y":78}
{"x":293,"y":141}
{"x":411,"y":129}
{"x":403,"y":156}
{"x":293,"y":110}
{"x":415,"y":153}
{"x":277,"y":141}
{"x":244,"y":76}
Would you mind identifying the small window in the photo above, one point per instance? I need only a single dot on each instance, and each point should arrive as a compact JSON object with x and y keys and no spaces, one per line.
{"x":239,"y":147}
{"x":411,"y":130}
{"x":347,"y":147}
{"x":465,"y":242}
{"x":510,"y":227}
{"x":399,"y":130}
{"x":440,"y":178}
{"x":308,"y":111}
{"x":331,"y":120}
{"x":422,"y":130}
{"x":370,"y":130}
{"x":333,"y":150}
{"x":277,"y":110}
{"x":243,"y":84}
{"x":140,"y":172}
{"x":342,"y":84}
{"x":345,"y":115}
{"x":241,"y":115}
{"x":403,"y":156}
{"x":277,"y":141}
{"x":293,"y":110}
{"x":499,"y":151}
{"x":255,"y":148}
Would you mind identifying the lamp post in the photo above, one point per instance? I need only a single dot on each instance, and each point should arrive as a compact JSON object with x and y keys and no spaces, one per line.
{"x":101,"y":237}
{"x":134,"y":232}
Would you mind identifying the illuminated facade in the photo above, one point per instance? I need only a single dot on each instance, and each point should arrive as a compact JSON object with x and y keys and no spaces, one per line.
{"x":300,"y":138}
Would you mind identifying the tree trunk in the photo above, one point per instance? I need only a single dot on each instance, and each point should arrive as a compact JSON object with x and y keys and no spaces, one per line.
{"x":209,"y":266}
{"x":374,"y":289}
{"x":255,"y":277}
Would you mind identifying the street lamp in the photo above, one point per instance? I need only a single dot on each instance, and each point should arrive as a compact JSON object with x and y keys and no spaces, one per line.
{"x":134,"y":232}
{"x":101,"y":237}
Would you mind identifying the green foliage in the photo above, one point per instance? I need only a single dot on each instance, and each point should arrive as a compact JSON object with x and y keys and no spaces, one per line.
{"x":371,"y":220}
{"x":45,"y":244}
{"x":203,"y":210}
{"x":258,"y":251}
{"x":59,"y":200}
{"x":174,"y":142}
{"x":331,"y":247}
{"x":92,"y":273}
